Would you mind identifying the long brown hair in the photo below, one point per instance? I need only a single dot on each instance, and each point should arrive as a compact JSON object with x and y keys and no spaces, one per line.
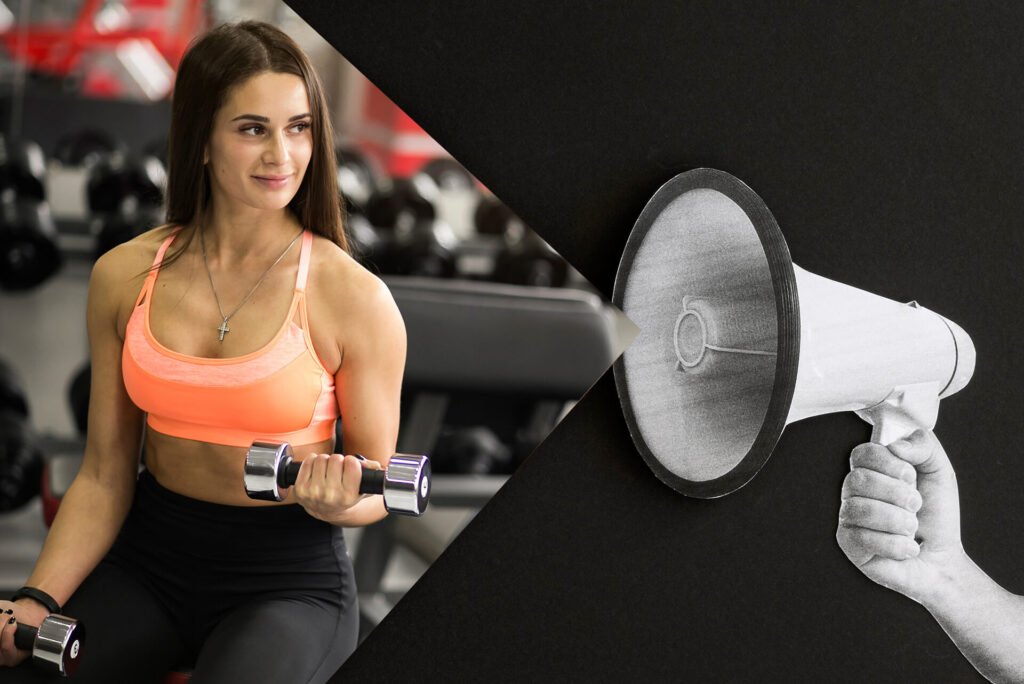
{"x":214,"y":63}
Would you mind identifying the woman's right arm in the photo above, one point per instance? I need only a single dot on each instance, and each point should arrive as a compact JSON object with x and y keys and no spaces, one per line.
{"x":97,"y":502}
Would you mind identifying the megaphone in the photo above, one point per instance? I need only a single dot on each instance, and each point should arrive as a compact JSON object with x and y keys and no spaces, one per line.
{"x":736,"y":341}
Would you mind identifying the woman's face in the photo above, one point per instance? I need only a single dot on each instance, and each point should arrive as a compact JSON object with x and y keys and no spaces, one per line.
{"x":260,"y":144}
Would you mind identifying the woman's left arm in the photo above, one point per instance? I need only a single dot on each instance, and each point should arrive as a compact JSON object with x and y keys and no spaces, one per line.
{"x":368,"y":387}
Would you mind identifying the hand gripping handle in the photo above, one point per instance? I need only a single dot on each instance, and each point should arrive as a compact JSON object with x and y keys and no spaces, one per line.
{"x":405,"y":483}
{"x":372,"y":481}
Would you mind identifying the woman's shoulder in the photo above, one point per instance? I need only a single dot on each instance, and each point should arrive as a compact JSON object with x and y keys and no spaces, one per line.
{"x":344,"y":286}
{"x":134,"y":255}
{"x":338,"y":275}
{"x":118,"y":275}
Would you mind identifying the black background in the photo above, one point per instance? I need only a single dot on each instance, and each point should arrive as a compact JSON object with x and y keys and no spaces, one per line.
{"x":887,"y":143}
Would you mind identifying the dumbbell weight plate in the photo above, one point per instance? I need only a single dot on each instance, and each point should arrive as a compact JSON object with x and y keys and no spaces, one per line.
{"x":492,"y":217}
{"x":85,"y":147}
{"x":12,"y":391}
{"x":362,"y":237}
{"x":358,"y":179}
{"x":261,"y":469}
{"x":118,"y":228}
{"x":412,"y":198}
{"x":408,"y":481}
{"x":22,"y":168}
{"x":56,"y":644}
{"x":78,"y":396}
{"x":28,"y":248}
{"x":448,"y":174}
{"x":119,"y":176}
{"x":423,"y":249}
{"x":21,"y":462}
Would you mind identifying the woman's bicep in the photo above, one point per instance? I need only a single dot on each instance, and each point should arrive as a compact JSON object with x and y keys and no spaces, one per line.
{"x":368,"y":385}
{"x":115,"y":423}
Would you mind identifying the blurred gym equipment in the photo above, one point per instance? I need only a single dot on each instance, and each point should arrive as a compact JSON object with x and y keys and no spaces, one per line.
{"x":358,"y":178}
{"x":511,"y":355}
{"x":448,"y":174}
{"x":22,"y":168}
{"x":118,"y":177}
{"x":86,"y":147}
{"x":527,"y":260}
{"x":21,"y":462}
{"x":28,"y":247}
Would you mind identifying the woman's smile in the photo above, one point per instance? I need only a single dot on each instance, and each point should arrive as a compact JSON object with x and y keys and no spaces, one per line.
{"x":274,"y":182}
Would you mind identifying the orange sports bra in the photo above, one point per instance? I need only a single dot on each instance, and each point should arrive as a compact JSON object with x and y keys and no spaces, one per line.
{"x":280,"y":393}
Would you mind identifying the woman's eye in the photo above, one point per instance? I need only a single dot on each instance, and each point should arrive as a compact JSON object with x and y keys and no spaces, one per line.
{"x":257,"y":130}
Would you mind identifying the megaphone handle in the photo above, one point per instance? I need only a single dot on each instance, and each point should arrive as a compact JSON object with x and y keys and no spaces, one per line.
{"x":906,"y":409}
{"x":891,"y":428}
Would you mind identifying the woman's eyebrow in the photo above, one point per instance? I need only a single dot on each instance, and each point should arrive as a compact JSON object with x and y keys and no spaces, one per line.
{"x":263,"y":119}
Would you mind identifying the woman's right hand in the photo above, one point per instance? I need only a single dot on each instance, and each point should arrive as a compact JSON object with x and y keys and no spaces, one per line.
{"x":24,"y":611}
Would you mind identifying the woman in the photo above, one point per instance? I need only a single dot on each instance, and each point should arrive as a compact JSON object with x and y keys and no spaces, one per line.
{"x":243,"y":319}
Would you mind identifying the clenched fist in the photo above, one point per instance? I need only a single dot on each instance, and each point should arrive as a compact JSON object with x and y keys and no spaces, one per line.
{"x":899,"y":521}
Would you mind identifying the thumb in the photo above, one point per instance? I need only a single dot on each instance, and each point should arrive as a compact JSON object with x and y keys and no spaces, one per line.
{"x":939,"y":516}
{"x":352,"y":473}
{"x":923,"y":451}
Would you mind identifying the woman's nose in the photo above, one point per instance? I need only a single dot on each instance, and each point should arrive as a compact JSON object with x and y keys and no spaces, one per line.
{"x":276,"y":151}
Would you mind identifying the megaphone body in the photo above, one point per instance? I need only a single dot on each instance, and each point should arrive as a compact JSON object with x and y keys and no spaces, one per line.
{"x":889,"y":362}
{"x":736,"y":341}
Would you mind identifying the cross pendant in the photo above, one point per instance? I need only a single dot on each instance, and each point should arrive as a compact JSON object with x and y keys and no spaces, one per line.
{"x":224,"y":329}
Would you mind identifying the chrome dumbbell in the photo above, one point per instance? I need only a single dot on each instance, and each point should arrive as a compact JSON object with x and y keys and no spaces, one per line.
{"x":56,"y":644}
{"x":405,"y":483}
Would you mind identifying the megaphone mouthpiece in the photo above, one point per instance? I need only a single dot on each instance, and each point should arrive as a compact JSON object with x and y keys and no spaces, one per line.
{"x":690,"y":336}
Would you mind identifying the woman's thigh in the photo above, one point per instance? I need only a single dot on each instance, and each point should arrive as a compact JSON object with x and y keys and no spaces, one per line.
{"x":128,"y":635}
{"x":279,"y":640}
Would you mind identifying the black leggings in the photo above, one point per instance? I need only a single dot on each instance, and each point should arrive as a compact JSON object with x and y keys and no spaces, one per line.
{"x":236,"y":593}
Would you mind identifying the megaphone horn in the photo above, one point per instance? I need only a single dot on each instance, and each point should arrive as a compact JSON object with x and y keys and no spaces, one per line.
{"x":736,"y":341}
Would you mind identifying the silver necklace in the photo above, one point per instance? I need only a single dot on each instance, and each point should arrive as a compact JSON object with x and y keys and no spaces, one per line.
{"x":224,"y":329}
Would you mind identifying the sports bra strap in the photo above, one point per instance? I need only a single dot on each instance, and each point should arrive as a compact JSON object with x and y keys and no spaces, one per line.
{"x":307,"y":248}
{"x":151,"y":277}
{"x":167,"y":243}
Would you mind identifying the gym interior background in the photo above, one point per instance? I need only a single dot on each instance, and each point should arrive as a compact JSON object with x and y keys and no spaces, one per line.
{"x":503,"y":335}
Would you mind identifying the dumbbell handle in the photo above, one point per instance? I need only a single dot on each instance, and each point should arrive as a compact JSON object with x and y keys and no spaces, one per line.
{"x":25,"y":636}
{"x":372,"y":481}
{"x":56,"y":644}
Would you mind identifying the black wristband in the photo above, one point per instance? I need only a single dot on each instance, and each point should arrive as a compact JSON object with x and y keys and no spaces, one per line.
{"x":39,"y":596}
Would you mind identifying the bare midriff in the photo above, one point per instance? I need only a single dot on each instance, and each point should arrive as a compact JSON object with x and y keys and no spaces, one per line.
{"x":209,"y":472}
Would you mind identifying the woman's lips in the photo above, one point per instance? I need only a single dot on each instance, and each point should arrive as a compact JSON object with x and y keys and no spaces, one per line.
{"x":273,"y":182}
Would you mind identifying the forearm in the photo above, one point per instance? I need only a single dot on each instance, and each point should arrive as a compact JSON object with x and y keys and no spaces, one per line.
{"x":985,"y":621}
{"x":89,"y":519}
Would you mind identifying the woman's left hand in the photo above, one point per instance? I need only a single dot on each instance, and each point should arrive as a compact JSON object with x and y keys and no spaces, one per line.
{"x":327,"y":485}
